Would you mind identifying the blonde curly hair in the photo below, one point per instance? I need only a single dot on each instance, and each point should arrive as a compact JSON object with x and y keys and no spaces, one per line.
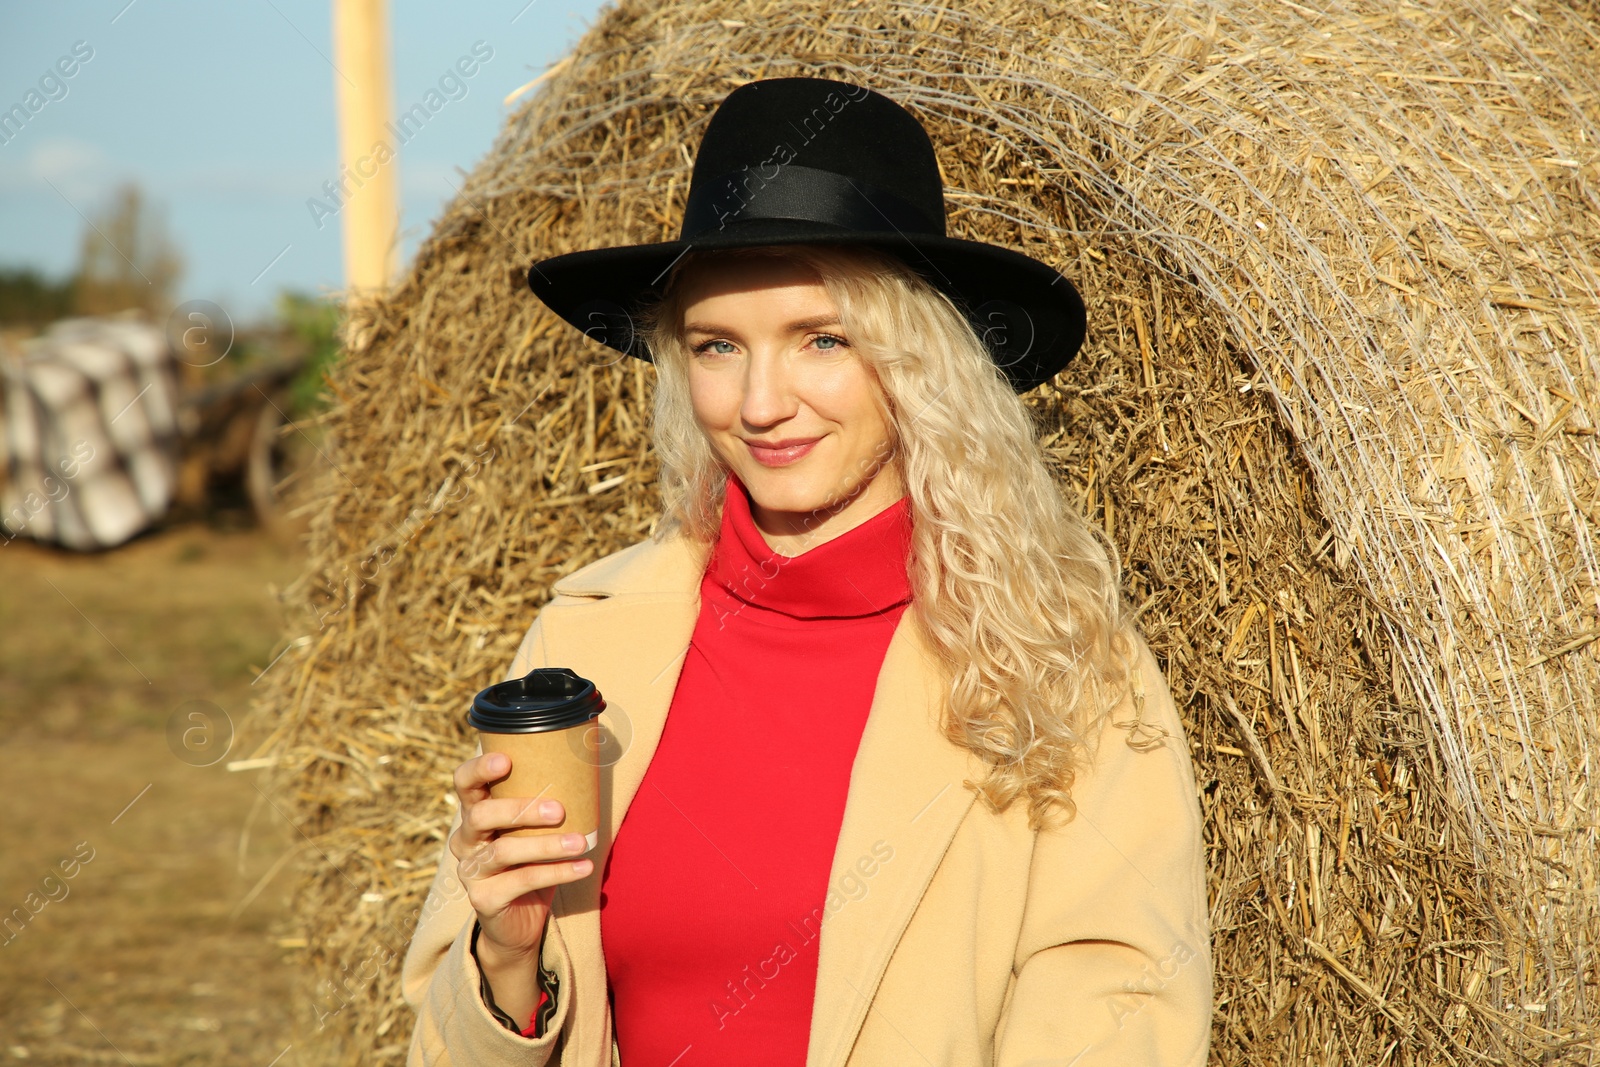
{"x":1017,"y":593}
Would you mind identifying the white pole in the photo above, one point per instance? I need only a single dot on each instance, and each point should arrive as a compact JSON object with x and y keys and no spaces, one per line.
{"x":370,"y":214}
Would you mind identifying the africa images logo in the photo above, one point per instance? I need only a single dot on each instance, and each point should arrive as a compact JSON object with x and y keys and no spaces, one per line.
{"x":452,"y":85}
{"x":51,"y":86}
{"x":742,"y":190}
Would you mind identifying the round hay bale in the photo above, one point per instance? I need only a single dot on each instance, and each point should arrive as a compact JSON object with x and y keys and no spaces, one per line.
{"x":1337,"y":408}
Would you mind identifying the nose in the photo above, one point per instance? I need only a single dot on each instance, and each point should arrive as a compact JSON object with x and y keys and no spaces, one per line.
{"x":769,"y":396}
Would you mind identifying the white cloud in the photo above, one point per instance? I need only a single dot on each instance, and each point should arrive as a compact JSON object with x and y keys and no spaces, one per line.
{"x":246,"y":182}
{"x":79,"y":169}
{"x":84,"y":173}
{"x":65,"y":158}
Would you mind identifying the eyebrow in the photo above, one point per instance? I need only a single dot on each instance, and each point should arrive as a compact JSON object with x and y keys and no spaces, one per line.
{"x":793,"y":327}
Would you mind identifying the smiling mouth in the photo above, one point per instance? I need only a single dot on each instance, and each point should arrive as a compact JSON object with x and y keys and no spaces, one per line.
{"x":780,"y":457}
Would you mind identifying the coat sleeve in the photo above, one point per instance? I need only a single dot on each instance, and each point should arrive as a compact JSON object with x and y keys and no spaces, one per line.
{"x":1113,"y":963}
{"x":440,"y":979}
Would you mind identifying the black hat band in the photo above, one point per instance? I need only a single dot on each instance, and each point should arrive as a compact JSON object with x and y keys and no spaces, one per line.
{"x":801,"y":193}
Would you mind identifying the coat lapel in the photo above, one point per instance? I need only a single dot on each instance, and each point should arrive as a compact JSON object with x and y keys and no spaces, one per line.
{"x":630,"y":642}
{"x":905,"y":792}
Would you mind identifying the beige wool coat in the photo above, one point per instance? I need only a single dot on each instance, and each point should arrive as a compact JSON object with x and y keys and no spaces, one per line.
{"x":951,"y":935}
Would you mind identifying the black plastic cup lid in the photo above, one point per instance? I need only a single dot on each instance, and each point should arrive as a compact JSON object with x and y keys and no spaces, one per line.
{"x":546,"y":698}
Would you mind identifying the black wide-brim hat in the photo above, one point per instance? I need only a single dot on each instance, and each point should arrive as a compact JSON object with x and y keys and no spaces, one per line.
{"x":809,"y":160}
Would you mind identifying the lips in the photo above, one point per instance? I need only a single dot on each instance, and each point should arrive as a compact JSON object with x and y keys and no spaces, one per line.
{"x":780,"y":457}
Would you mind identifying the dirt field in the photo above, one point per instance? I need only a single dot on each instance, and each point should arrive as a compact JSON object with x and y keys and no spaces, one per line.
{"x":142,"y":908}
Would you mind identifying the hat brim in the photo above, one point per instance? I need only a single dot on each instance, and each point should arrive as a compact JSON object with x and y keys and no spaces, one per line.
{"x":1029,"y":315}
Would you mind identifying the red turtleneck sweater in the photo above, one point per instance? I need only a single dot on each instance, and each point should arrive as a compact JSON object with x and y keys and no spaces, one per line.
{"x":712,"y":894}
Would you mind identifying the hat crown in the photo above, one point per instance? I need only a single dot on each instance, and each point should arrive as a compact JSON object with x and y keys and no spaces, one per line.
{"x":817,"y":150}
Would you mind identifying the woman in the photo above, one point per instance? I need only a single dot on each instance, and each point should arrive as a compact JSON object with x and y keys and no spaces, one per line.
{"x":901,"y":782}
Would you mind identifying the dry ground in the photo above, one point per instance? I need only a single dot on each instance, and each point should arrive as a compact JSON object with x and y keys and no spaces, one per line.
{"x":159,"y":947}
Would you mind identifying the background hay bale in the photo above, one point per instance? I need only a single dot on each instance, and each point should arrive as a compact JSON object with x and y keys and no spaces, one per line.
{"x":1337,"y":408}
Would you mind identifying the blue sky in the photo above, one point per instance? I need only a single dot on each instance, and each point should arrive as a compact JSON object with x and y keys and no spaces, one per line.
{"x":224,"y":114}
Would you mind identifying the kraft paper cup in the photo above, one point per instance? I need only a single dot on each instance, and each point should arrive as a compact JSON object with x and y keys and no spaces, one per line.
{"x":547,"y":722}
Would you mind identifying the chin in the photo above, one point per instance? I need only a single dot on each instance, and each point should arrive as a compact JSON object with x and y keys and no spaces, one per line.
{"x":785,"y":490}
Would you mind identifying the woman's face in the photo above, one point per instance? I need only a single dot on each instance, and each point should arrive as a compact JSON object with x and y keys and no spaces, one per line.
{"x":770,"y":365}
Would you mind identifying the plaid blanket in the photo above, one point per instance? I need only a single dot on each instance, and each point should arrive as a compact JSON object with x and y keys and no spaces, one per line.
{"x":91,"y":433}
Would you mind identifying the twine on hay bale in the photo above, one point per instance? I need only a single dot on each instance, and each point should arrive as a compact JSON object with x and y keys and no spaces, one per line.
{"x":1337,"y":408}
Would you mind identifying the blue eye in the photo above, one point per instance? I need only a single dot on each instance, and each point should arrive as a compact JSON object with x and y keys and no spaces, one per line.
{"x":700,"y":348}
{"x":838,"y":342}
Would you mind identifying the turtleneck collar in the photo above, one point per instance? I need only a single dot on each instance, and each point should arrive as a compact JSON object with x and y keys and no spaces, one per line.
{"x":861,"y":572}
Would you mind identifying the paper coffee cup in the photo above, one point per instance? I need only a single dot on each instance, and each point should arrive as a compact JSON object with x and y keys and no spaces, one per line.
{"x":547,"y":721}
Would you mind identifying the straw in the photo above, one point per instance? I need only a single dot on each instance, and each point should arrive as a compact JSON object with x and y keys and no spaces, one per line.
{"x":1337,"y":408}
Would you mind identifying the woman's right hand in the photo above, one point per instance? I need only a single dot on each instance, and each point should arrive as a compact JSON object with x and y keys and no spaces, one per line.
{"x":510,"y":880}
